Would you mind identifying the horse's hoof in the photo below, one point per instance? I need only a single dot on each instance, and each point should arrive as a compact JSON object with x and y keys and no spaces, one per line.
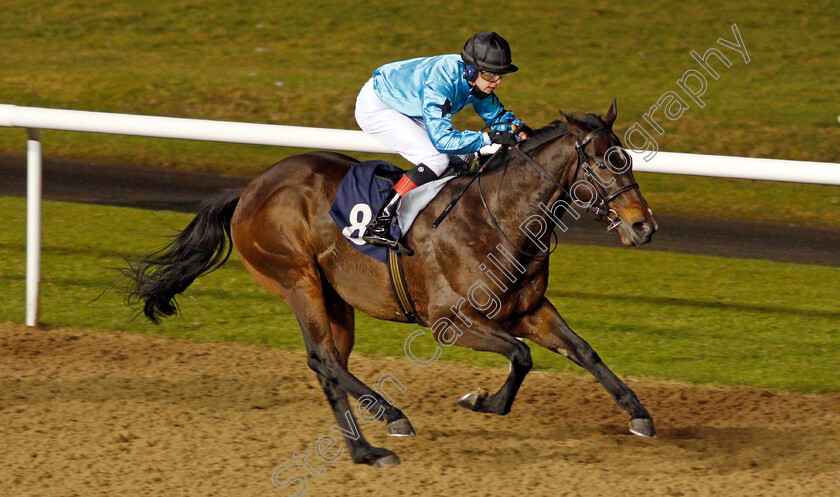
{"x":376,"y":457}
{"x":642,"y":427}
{"x":386,"y":461}
{"x":473,"y":400}
{"x":400,"y":428}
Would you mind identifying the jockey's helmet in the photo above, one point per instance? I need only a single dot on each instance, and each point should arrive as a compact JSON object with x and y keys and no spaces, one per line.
{"x":488,"y":52}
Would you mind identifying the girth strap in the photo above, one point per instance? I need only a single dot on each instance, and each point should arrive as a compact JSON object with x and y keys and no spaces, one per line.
{"x":398,"y":285}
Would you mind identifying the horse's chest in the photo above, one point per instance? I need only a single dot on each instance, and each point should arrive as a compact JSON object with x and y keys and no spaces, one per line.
{"x":525,"y":293}
{"x":530,"y":293}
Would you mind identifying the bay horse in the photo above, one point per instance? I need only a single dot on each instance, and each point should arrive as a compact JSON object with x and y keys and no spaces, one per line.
{"x":281,"y":228}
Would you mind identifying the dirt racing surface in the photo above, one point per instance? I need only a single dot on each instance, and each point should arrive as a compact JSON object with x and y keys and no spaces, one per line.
{"x":94,"y":413}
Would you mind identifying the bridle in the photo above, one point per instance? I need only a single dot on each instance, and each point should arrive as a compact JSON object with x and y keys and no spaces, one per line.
{"x":603,"y":197}
{"x":600,"y":208}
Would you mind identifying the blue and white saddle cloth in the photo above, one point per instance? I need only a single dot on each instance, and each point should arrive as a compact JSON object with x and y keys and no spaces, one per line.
{"x":362,"y":193}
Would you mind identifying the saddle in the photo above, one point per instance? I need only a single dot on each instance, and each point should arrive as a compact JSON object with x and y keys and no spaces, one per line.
{"x":362,"y":193}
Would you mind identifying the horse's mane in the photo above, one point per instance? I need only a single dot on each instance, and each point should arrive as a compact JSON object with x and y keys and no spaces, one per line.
{"x":592,"y":120}
{"x":555,"y":128}
{"x":540,"y":136}
{"x":560,"y":127}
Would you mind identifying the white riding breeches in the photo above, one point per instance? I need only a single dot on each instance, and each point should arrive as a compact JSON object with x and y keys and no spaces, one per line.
{"x":406,"y":135}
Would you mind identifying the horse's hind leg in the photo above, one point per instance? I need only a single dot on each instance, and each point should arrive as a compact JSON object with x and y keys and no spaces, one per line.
{"x":341,"y":324}
{"x":297,"y":281}
{"x":360,"y":450}
{"x":308,"y":303}
{"x":342,"y":318}
{"x":546,"y":327}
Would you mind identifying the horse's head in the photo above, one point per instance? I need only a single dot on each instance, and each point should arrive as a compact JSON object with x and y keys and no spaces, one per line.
{"x":603,"y":178}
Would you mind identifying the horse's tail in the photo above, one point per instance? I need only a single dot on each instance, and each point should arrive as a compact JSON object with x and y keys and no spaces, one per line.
{"x":202,"y":247}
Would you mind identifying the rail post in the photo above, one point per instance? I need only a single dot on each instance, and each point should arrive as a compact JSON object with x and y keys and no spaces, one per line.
{"x":33,"y":224}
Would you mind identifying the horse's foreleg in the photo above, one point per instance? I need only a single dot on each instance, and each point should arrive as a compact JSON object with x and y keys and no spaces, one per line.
{"x":485,"y":335}
{"x":546,"y":327}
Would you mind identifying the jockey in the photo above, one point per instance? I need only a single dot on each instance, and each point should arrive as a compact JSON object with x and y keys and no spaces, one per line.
{"x":408,"y":106}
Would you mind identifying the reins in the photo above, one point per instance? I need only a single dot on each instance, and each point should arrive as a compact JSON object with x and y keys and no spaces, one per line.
{"x":604,"y":197}
{"x":496,"y":225}
{"x":455,"y":200}
{"x":531,"y":146}
{"x":497,"y":157}
{"x":604,"y":208}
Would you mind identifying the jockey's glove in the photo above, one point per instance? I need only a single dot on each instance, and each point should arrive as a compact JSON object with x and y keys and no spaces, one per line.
{"x":489,"y":149}
{"x":486,"y":152}
{"x":523,"y":128}
{"x":503,"y":138}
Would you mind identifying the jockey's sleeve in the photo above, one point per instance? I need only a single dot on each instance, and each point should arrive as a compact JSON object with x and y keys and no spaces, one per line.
{"x":492,"y":111}
{"x":437,"y":116}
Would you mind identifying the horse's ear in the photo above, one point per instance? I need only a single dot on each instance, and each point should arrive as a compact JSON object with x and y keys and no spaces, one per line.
{"x":609,"y":117}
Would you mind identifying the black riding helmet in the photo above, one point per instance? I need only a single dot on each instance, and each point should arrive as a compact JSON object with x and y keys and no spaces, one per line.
{"x":488,"y":52}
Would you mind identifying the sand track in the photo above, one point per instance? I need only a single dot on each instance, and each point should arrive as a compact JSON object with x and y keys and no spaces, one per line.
{"x":94,"y":413}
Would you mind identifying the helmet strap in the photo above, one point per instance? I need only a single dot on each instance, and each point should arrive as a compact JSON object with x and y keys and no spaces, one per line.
{"x":474,"y":91}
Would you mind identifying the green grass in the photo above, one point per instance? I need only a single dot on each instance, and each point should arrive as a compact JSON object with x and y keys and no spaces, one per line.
{"x":737,"y":199}
{"x":690,"y":318}
{"x":302,"y":63}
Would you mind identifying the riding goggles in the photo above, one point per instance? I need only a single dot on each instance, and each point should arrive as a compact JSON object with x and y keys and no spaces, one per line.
{"x":489,"y":76}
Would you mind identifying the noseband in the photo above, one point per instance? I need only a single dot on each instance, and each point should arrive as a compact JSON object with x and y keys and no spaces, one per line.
{"x":602,"y":196}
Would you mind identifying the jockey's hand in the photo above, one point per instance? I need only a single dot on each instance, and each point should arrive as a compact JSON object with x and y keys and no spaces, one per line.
{"x":522,"y":131}
{"x":503,"y":138}
{"x":489,"y":149}
{"x":486,"y":152}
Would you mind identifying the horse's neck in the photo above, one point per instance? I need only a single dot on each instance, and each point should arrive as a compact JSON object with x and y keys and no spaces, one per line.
{"x":521,"y":192}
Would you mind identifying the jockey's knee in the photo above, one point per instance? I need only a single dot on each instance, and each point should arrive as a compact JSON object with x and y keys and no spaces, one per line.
{"x":422,"y":174}
{"x":437,"y":163}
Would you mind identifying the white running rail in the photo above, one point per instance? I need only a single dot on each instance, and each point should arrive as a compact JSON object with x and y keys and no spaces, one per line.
{"x":36,"y":118}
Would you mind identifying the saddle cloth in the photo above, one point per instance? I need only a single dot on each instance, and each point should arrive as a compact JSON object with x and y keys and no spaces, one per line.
{"x":362,"y":193}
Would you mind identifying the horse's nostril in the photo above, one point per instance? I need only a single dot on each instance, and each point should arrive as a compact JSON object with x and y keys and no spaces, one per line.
{"x":642,"y":228}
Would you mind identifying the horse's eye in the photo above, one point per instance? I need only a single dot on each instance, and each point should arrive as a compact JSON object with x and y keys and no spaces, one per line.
{"x":618,"y":159}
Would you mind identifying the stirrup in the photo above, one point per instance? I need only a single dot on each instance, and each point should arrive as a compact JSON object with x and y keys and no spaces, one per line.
{"x":382,"y":241}
{"x":400,"y":247}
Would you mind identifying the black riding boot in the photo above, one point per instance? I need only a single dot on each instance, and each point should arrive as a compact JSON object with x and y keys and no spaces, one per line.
{"x":378,"y":232}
